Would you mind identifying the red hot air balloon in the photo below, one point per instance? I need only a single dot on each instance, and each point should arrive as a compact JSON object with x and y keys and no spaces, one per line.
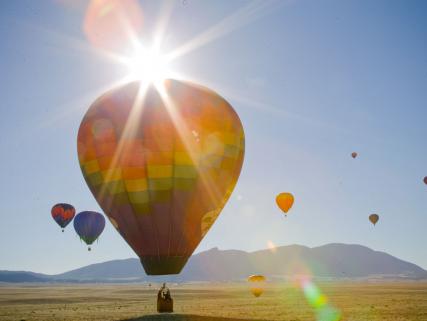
{"x":354,"y":154}
{"x":425,"y":180}
{"x":161,"y":165}
{"x":63,"y":214}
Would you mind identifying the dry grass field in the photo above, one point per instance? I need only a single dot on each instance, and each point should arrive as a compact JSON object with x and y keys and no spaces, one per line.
{"x":213,"y":302}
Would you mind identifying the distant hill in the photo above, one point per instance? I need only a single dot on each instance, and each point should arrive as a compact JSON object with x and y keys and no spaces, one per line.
{"x":327,"y":261}
{"x":124,"y":270}
{"x":22,"y":276}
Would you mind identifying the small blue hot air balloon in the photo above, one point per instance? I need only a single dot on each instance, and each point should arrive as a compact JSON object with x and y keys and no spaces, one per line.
{"x":89,"y":225}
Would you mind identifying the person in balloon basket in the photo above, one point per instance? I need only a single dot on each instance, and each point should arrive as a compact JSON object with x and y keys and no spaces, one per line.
{"x":164,"y":300}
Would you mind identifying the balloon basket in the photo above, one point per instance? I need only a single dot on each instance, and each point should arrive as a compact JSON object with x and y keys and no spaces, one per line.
{"x":62,"y":230}
{"x":164,"y":305}
{"x":89,"y":249}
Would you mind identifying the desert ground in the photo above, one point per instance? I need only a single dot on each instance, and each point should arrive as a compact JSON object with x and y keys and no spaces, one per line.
{"x":356,"y":301}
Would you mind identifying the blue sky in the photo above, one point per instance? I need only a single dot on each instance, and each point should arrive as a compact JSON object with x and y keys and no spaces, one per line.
{"x":312,"y":81}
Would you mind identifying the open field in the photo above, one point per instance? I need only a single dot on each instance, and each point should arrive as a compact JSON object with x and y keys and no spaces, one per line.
{"x":213,"y":302}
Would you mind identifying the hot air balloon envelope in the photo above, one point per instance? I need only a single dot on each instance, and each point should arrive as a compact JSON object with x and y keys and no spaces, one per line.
{"x":257,"y":284}
{"x":374,"y":218}
{"x":285,"y":201}
{"x":63,"y":214}
{"x":354,"y":154}
{"x":161,"y":164}
{"x":425,"y":180}
{"x":89,"y":225}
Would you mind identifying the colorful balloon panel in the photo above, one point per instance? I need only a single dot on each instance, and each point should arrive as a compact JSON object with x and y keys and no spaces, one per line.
{"x":161,"y":166}
{"x":89,"y":226}
{"x":63,"y":214}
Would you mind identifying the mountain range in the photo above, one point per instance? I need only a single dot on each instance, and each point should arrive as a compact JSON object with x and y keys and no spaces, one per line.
{"x":331,"y":261}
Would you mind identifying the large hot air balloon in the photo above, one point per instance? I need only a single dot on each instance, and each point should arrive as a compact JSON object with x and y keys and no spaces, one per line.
{"x":89,"y":226}
{"x":161,"y":164}
{"x":374,"y":218}
{"x":285,"y":201}
{"x":354,"y":154}
{"x":257,"y":284}
{"x":63,"y":214}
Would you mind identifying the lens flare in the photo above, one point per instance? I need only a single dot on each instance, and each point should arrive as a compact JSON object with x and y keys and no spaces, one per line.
{"x":112,"y":24}
{"x":271,"y":246}
{"x":318,"y":301}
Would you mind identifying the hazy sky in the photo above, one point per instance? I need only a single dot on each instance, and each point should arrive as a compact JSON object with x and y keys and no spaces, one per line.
{"x":312,"y":81}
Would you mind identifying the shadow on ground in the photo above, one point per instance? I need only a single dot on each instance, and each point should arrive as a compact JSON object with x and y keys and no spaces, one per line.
{"x":182,"y":317}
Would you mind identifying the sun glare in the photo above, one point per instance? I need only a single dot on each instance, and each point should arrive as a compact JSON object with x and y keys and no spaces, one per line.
{"x":147,"y":66}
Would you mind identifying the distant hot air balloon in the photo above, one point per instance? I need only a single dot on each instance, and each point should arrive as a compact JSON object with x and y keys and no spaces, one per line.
{"x":374,"y":218}
{"x":354,"y":154}
{"x":161,"y":165}
{"x":425,"y":180}
{"x":257,"y":284}
{"x":89,"y":225}
{"x":285,"y":201}
{"x":63,"y":214}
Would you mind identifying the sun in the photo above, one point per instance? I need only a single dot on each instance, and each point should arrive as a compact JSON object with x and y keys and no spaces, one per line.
{"x":147,"y":65}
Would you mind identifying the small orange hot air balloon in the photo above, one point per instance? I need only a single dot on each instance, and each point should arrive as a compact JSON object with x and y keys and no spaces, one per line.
{"x":354,"y":154}
{"x":257,"y":284}
{"x":285,"y":201}
{"x":374,"y":218}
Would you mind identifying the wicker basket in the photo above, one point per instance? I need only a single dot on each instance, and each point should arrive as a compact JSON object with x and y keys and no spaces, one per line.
{"x":164,"y":305}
